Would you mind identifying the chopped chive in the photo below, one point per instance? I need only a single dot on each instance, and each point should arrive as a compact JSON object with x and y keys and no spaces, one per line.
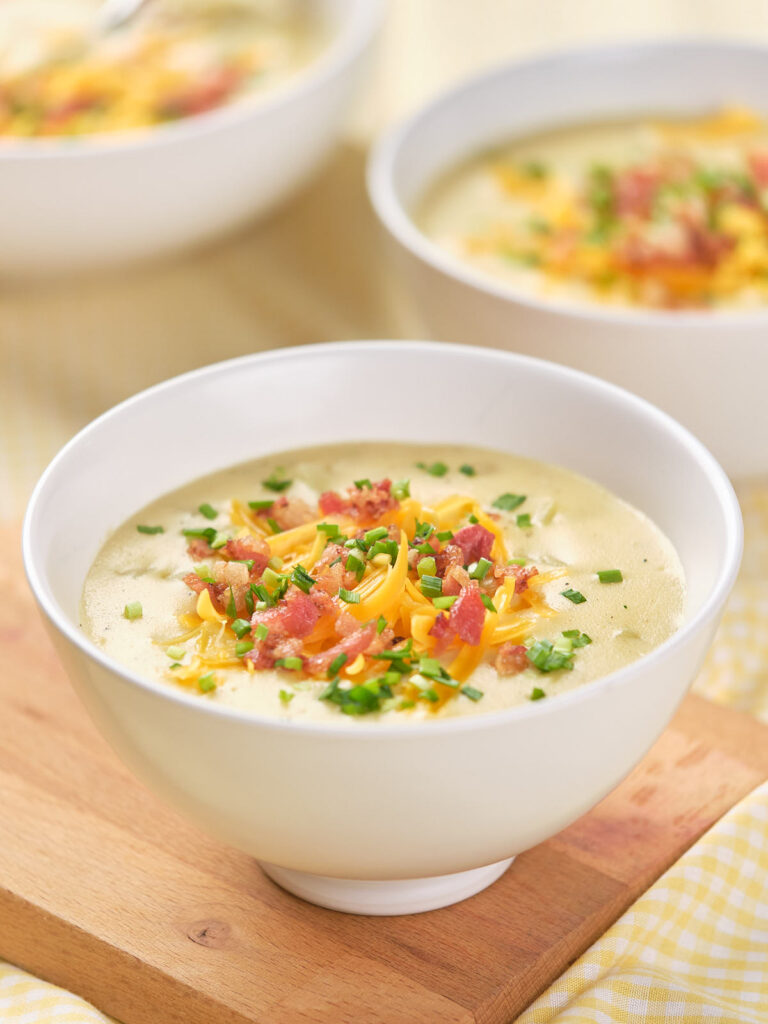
{"x":249,"y":601}
{"x":274,"y":525}
{"x":355,"y":565}
{"x":337,"y":664}
{"x":133,"y":610}
{"x":429,"y":694}
{"x":355,"y":542}
{"x":261,"y":631}
{"x":516,"y":561}
{"x":473,"y":518}
{"x":431,"y":586}
{"x":240,"y":627}
{"x":384,"y":547}
{"x":610,"y":576}
{"x":302,"y":579}
{"x":176,"y":664}
{"x":467,"y":470}
{"x":509,"y":502}
{"x":523,"y":520}
{"x":350,"y":596}
{"x":404,"y":705}
{"x":488,"y":602}
{"x":547,"y":658}
{"x":150,"y":529}
{"x":435,"y":469}
{"x":331,"y":530}
{"x":376,"y":534}
{"x":261,"y":505}
{"x":426,"y":567}
{"x":231,"y":608}
{"x":401,"y":489}
{"x":445,"y":535}
{"x":479,"y":569}
{"x":207,"y":682}
{"x":275,"y":563}
{"x":536,"y":693}
{"x":207,"y":533}
{"x":424,"y":530}
{"x":247,"y":562}
{"x":575,"y":596}
{"x":275,"y":482}
{"x":286,"y":697}
{"x":271,"y":578}
{"x":176,"y":653}
{"x":207,"y":510}
{"x":243,"y":647}
{"x":365,"y":482}
{"x":292,"y":664}
{"x":381,"y":624}
{"x":219,"y":540}
{"x":444,"y":603}
{"x":471,"y":692}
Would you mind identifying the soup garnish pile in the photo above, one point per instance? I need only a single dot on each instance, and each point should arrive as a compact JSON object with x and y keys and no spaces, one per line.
{"x":477,"y":581}
{"x":662,"y":214}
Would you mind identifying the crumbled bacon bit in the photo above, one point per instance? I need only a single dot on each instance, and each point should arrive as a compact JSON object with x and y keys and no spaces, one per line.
{"x":758,"y":164}
{"x":455,"y":578}
{"x":216,"y":590}
{"x":289,"y":513}
{"x":521,"y":573}
{"x":199,"y":548}
{"x":248,"y":549}
{"x":364,"y":503}
{"x":511,"y":659}
{"x":295,"y":616}
{"x":475,"y":542}
{"x":635,"y":191}
{"x":467,"y":615}
{"x":352,"y":645}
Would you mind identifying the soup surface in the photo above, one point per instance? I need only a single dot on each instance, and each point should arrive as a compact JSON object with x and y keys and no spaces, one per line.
{"x":657,"y":213}
{"x":175,"y":58}
{"x":383,"y":581}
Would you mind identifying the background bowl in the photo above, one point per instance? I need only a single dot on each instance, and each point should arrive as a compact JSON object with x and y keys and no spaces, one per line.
{"x":707,"y":369}
{"x":74,"y":203}
{"x":364,"y":816}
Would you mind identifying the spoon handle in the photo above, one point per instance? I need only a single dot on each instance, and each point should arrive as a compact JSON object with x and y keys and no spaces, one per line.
{"x":114,"y":13}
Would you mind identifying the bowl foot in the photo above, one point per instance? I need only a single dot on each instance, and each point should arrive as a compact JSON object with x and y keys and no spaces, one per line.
{"x":400,"y":896}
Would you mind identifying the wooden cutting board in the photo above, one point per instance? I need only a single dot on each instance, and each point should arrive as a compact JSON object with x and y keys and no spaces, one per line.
{"x":106,"y":892}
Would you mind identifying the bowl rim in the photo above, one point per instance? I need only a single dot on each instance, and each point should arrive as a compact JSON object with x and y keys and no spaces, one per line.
{"x":730,"y":559}
{"x":564,"y":61}
{"x":352,"y":32}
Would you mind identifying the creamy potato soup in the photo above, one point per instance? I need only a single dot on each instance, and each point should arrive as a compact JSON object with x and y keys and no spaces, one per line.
{"x":666,"y":214}
{"x":174,"y":59}
{"x":375,"y":582}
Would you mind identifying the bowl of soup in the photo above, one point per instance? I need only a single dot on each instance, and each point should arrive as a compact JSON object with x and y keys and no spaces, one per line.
{"x":193,"y":118}
{"x":383,"y":648}
{"x":620,"y":226}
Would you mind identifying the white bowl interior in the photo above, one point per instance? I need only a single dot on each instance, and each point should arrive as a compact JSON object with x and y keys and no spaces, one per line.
{"x":583,"y":85}
{"x":245,"y":408}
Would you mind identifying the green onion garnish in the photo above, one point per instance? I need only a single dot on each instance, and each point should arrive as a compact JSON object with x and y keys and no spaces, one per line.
{"x":275,"y":482}
{"x":401,"y":489}
{"x":261,"y":631}
{"x":376,"y":534}
{"x":355,"y":565}
{"x":249,"y":601}
{"x":473,"y":518}
{"x":150,"y":529}
{"x":444,"y":603}
{"x":365,"y":482}
{"x":546,"y":658}
{"x":274,"y":525}
{"x":516,"y":561}
{"x":286,"y":697}
{"x":261,"y":505}
{"x":429,"y":694}
{"x":231,"y":608}
{"x":337,"y":664}
{"x":207,"y":533}
{"x":207,"y":510}
{"x":444,"y":535}
{"x":467,"y":470}
{"x":331,"y":530}
{"x":471,"y":692}
{"x":536,"y":693}
{"x":423,"y":530}
{"x":302,"y":579}
{"x":133,"y":610}
{"x":240,"y":627}
{"x":574,"y":595}
{"x":384,"y":547}
{"x":350,"y":596}
{"x":431,"y":586}
{"x":381,"y":624}
{"x":207,"y":682}
{"x":292,"y":664}
{"x":488,"y":602}
{"x":426,"y":567}
{"x":243,"y":647}
{"x":435,"y":469}
{"x":523,"y":520}
{"x":610,"y":576}
{"x":271,"y":578}
{"x":219,"y":540}
{"x":176,"y":653}
{"x":479,"y":570}
{"x":509,"y":502}
{"x":577,"y":639}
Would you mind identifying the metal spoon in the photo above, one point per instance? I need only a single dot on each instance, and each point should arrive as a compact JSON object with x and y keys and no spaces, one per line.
{"x":113,"y":14}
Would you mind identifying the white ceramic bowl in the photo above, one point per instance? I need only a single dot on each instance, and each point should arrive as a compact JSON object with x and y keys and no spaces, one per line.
{"x":74,"y":203}
{"x":382,"y":818}
{"x":707,"y":369}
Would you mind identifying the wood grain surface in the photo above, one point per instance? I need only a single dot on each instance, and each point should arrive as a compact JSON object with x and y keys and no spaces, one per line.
{"x":105,"y":891}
